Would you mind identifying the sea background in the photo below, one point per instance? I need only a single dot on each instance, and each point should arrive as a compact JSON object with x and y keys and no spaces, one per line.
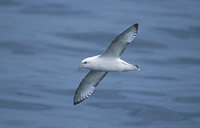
{"x":43,"y":41}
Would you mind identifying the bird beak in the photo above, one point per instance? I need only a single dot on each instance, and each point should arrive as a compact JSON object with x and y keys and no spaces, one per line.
{"x":80,"y":67}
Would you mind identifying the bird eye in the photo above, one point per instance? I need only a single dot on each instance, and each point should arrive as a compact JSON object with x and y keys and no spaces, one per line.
{"x":85,"y":62}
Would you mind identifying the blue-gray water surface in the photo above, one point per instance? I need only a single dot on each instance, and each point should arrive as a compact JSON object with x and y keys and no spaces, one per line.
{"x":43,"y":41}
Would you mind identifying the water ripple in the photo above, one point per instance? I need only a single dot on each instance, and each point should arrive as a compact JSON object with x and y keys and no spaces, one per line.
{"x":146,"y":112}
{"x":188,"y":100}
{"x":95,"y":37}
{"x":191,"y":32}
{"x":11,"y":104}
{"x":53,"y":9}
{"x":9,"y":3}
{"x":186,"y":61}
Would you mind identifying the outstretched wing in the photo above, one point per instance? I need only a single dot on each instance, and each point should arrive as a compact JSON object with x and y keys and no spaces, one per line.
{"x":87,"y":85}
{"x":119,"y":44}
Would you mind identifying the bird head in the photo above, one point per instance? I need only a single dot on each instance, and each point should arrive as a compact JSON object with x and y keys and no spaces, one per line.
{"x":86,"y":63}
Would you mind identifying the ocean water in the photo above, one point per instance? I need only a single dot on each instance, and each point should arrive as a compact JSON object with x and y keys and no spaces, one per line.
{"x":43,"y":41}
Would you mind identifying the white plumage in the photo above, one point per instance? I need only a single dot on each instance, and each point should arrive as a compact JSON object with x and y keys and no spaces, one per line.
{"x":109,"y":61}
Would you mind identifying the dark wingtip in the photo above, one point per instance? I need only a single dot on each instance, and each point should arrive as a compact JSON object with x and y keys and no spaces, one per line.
{"x":74,"y":102}
{"x":138,"y":67}
{"x":136,"y":26}
{"x":77,"y":102}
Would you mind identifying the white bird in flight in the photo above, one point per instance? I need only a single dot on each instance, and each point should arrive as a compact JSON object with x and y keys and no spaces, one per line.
{"x":109,"y":61}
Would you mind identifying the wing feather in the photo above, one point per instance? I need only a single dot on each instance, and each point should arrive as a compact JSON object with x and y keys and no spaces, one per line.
{"x":87,"y":85}
{"x":119,"y":44}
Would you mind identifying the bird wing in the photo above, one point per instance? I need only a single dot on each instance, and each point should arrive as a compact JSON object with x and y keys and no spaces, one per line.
{"x":119,"y":44}
{"x":87,"y":85}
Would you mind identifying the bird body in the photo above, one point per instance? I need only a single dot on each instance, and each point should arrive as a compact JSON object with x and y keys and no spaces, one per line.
{"x":108,"y":64}
{"x":109,"y":61}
